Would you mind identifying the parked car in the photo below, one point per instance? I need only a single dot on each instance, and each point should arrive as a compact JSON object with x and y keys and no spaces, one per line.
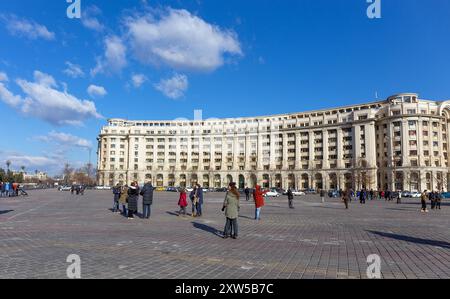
{"x":298,"y":193}
{"x":415,"y":194}
{"x":272,"y":193}
{"x":310,"y":191}
{"x":333,"y":193}
{"x":172,"y":189}
{"x":445,"y":195}
{"x":406,"y":194}
{"x":64,"y":188}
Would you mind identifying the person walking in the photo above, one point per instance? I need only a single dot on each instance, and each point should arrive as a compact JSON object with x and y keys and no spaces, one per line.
{"x":193,"y":199}
{"x":290,"y":196}
{"x":182,"y":202}
{"x":199,"y":195}
{"x":345,"y":198}
{"x":258,"y":196}
{"x":362,"y":196}
{"x":117,"y":190}
{"x":322,"y":195}
{"x":231,"y":207}
{"x":247,"y":193}
{"x":2,"y":189}
{"x":147,"y":199}
{"x":124,"y":199}
{"x":133,"y":197}
{"x":423,"y":200}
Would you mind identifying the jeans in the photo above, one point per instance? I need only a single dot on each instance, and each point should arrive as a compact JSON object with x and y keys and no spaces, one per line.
{"x":231,"y":228}
{"x":115,"y":206}
{"x":257,"y":213}
{"x":199,"y":209}
{"x":291,"y":204}
{"x":124,"y":209}
{"x":147,"y":211}
{"x":182,"y":211}
{"x":194,"y":209}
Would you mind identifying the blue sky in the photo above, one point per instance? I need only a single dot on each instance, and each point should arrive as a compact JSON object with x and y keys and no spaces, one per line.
{"x":164,"y":59}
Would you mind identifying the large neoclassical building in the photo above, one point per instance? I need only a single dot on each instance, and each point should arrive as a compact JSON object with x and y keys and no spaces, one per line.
{"x":400,"y":143}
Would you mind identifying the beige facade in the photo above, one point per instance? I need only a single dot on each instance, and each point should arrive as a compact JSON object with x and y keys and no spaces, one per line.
{"x":400,"y":143}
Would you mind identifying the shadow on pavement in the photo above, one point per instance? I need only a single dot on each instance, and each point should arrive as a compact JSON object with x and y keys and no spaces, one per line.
{"x":6,"y":212}
{"x":207,"y":228}
{"x":442,"y":244}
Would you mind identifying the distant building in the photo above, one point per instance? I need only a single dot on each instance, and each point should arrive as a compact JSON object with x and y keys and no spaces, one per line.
{"x":400,"y":143}
{"x":40,"y":176}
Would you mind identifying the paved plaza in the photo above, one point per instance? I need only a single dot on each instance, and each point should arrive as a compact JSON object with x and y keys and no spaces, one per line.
{"x":313,"y":241}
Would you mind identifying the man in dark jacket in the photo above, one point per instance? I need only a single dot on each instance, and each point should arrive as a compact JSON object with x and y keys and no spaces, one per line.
{"x":199,"y":194}
{"x":290,"y":196}
{"x":147,"y":199}
{"x":247,"y":194}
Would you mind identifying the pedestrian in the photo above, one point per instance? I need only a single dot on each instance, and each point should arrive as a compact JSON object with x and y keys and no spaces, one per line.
{"x":322,"y":195}
{"x":147,"y":199}
{"x":423,"y":200}
{"x":247,"y":193}
{"x":438,"y":201}
{"x":182,"y":202}
{"x":371,"y":194}
{"x":7,"y":189}
{"x":117,"y":190}
{"x":431,"y":198}
{"x":345,"y":198}
{"x":258,"y":196}
{"x":199,"y":195}
{"x":193,"y":199}
{"x":290,"y":196}
{"x":124,"y":199}
{"x":399,"y":197}
{"x":231,"y":208}
{"x":133,"y":196}
{"x":2,"y":189}
{"x":362,"y":196}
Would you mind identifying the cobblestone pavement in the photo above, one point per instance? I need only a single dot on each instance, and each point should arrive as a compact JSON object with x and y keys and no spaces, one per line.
{"x":314,"y":240}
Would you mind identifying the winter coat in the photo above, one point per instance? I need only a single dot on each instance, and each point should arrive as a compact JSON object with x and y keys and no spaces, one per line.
{"x":147,"y":194}
{"x":231,"y":204}
{"x":133,"y":197}
{"x":290,"y":195}
{"x":124,"y":196}
{"x":258,"y":196}
{"x":182,"y":202}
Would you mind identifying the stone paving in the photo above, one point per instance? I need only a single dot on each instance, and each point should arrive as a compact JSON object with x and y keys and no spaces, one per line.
{"x":313,"y":241}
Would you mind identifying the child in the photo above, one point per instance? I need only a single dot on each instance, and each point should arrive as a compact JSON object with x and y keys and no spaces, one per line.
{"x":182,"y":202}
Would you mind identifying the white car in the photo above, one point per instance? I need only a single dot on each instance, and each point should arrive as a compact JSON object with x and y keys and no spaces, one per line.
{"x":65,"y":188}
{"x":272,"y":193}
{"x":415,"y":195}
{"x":298,"y":193}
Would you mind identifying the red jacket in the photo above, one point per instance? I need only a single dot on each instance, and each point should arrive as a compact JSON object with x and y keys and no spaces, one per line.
{"x":258,"y":196}
{"x":182,"y":202}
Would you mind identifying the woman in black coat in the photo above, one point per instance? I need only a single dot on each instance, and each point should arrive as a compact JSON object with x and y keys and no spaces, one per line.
{"x":133,"y":196}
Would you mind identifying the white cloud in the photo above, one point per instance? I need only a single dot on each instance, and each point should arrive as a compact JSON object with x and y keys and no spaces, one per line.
{"x":114,"y":59}
{"x":174,"y":87}
{"x":19,"y":160}
{"x":180,"y":40}
{"x":65,"y":139}
{"x":89,"y":20}
{"x":41,"y":99}
{"x":94,"y":90}
{"x":26,"y":28}
{"x":3,"y":77}
{"x":73,"y":70}
{"x":138,"y":80}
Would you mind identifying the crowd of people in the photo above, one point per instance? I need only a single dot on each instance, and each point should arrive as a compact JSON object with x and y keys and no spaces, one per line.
{"x":126,"y":201}
{"x":434,"y":197}
{"x":11,"y":189}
